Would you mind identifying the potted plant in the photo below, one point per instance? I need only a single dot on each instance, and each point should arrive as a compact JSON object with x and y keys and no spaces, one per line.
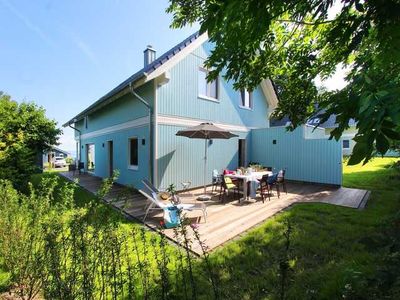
{"x":171,"y":189}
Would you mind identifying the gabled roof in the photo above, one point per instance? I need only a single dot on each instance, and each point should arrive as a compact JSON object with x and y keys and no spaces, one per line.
{"x":156,"y":64}
{"x":54,"y":148}
{"x":158,"y":68}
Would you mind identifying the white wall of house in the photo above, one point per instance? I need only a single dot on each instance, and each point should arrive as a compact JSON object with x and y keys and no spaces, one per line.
{"x":347,"y":139}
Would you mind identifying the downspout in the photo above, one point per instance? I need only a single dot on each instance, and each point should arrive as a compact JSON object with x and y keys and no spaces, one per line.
{"x":151,"y":133}
{"x":78,"y":153}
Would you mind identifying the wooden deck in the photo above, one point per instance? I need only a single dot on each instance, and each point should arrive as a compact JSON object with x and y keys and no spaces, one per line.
{"x":226,"y":221}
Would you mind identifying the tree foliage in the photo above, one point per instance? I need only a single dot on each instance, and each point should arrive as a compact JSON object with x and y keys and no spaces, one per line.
{"x":25,"y":132}
{"x":294,"y":42}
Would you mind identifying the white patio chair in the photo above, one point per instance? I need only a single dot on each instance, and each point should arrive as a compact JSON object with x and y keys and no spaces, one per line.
{"x":156,"y":204}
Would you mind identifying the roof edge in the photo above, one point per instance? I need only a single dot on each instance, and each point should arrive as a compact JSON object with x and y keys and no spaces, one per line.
{"x":144,"y":73}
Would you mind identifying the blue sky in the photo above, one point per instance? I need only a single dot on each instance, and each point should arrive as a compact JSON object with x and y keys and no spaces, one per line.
{"x":64,"y":55}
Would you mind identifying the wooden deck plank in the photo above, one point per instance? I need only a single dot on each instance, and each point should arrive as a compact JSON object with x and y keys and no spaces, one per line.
{"x":226,"y":221}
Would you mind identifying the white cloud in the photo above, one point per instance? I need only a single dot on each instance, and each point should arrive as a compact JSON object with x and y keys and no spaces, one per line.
{"x":84,"y":48}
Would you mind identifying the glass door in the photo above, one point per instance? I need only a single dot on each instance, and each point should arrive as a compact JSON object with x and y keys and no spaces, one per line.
{"x":91,"y":157}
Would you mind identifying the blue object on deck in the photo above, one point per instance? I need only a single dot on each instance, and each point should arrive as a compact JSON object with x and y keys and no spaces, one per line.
{"x":171,"y":217}
{"x":273,"y":178}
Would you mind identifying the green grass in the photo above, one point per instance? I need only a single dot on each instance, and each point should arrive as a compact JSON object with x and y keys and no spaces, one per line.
{"x":334,"y":251}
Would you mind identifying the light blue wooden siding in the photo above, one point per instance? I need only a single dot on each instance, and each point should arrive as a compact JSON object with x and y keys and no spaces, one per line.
{"x":121,"y":147}
{"x":179,"y":97}
{"x":181,"y":159}
{"x":125,"y":109}
{"x":311,"y":160}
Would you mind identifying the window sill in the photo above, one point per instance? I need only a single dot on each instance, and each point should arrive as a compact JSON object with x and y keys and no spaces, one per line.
{"x":208,"y":98}
{"x":134,"y":168}
{"x":245,"y":107}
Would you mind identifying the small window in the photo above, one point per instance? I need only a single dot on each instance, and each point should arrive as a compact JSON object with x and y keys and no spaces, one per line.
{"x":133,"y":153}
{"x":207,"y":89}
{"x":85,"y":120}
{"x":246,"y":99}
{"x":346,"y":144}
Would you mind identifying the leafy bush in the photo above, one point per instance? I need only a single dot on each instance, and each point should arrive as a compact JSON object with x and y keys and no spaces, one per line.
{"x":69,"y":160}
{"x":52,"y":247}
{"x":25,"y":132}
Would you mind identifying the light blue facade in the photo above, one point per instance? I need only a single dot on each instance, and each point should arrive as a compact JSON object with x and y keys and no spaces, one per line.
{"x":305,"y":159}
{"x":181,"y":159}
{"x":180,"y":97}
{"x":99,"y":131}
{"x":177,"y":105}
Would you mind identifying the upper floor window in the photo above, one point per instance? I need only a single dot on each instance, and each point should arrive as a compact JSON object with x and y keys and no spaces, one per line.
{"x":246,"y":99}
{"x":86,"y":120}
{"x":207,"y":89}
{"x":346,"y":144}
{"x":133,"y":153}
{"x":315,"y":121}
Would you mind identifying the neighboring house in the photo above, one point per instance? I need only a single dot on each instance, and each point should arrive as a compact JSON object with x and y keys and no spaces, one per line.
{"x":50,"y":156}
{"x":133,"y":127}
{"x":347,"y":135}
{"x":328,"y":126}
{"x":346,"y":139}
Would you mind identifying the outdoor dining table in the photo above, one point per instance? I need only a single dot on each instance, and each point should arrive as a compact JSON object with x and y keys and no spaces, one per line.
{"x":253,"y":178}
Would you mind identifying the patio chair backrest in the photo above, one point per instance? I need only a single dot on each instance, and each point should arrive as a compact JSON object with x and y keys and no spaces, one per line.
{"x":153,"y":198}
{"x":228,"y":183}
{"x":150,"y":186}
{"x":264,"y":178}
{"x":281,"y":176}
{"x":215,"y":173}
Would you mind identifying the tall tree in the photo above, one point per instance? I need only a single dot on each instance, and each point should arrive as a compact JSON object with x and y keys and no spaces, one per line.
{"x":25,"y":133}
{"x":293,"y":42}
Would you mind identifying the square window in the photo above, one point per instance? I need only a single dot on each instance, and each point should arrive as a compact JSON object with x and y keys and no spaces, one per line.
{"x":207,"y":89}
{"x":133,"y":152}
{"x":346,"y":144}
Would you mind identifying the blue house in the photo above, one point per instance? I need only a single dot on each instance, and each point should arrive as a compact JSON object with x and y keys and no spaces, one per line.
{"x":132,"y":128}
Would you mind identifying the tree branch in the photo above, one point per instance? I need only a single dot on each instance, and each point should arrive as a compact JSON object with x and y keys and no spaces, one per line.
{"x":305,"y":23}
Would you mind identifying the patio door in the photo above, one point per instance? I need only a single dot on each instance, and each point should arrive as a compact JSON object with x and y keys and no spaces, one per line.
{"x":242,"y":153}
{"x":90,"y":157}
{"x":110,"y":157}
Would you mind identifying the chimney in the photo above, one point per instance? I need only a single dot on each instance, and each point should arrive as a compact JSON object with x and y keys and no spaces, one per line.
{"x":149,"y":55}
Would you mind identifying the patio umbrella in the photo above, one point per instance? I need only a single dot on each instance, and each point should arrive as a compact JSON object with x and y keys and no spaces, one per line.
{"x":205,"y":131}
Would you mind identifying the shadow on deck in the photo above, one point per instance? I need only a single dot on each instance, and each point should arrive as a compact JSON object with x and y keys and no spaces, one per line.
{"x":226,"y":220}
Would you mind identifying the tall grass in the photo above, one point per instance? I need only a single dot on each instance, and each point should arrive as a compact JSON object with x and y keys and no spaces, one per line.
{"x":58,"y":250}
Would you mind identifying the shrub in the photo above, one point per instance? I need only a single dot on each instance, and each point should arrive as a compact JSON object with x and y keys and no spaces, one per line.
{"x":52,"y":247}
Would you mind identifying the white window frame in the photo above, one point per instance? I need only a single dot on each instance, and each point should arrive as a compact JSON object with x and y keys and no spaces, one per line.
{"x":207,"y":97}
{"x":133,"y":167}
{"x":251,"y":104}
{"x":343,"y":144}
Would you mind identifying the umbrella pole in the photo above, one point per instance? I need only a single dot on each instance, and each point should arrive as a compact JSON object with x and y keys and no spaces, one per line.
{"x":205,"y":197}
{"x":205,"y":167}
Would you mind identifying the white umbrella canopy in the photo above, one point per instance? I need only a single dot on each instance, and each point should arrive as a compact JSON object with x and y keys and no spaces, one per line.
{"x":205,"y":131}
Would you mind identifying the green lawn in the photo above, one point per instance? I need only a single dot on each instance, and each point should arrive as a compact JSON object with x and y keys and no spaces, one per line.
{"x":334,"y":252}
